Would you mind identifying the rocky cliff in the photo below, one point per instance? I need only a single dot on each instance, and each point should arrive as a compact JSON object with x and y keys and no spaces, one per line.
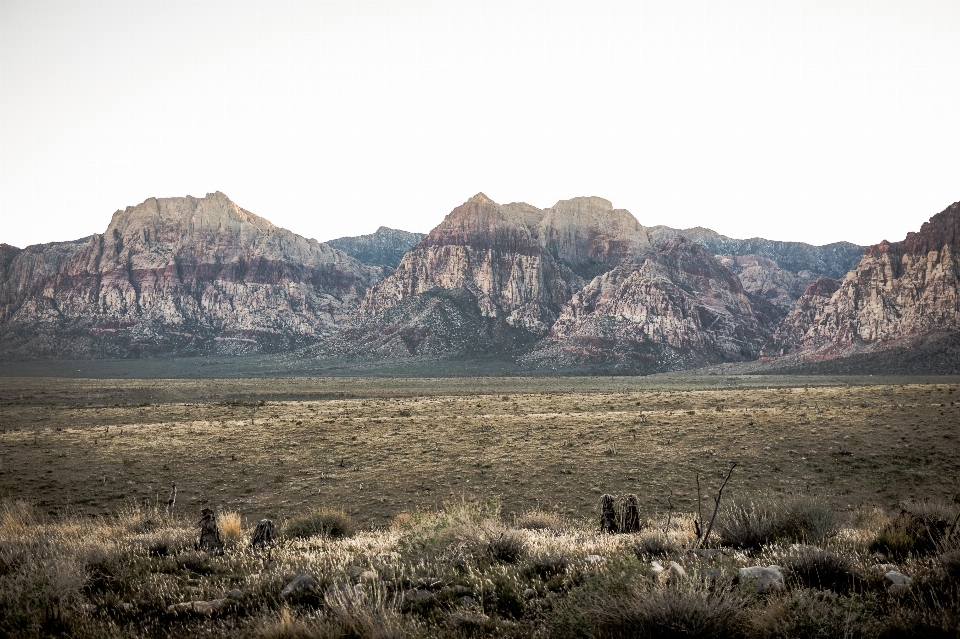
{"x":509,"y":268}
{"x":385,"y":247}
{"x":831,"y":260}
{"x":899,"y":292}
{"x":177,"y":276}
{"x":678,"y":308}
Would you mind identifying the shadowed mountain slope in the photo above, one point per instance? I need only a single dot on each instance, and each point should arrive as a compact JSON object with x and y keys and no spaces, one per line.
{"x":385,"y":247}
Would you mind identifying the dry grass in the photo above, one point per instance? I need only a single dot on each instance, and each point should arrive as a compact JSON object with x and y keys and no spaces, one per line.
{"x":435,"y":576}
{"x":473,"y":512}
{"x":231,"y":528}
{"x":855,"y":446}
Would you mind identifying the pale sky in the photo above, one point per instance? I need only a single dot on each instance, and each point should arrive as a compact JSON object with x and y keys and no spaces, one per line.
{"x":809,"y":121}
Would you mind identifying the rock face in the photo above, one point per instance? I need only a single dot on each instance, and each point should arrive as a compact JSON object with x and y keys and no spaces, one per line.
{"x":384,"y":248}
{"x":900,"y":291}
{"x":831,"y":260}
{"x":763,"y":278}
{"x":679,"y":308}
{"x":176,"y":276}
{"x":497,"y":275}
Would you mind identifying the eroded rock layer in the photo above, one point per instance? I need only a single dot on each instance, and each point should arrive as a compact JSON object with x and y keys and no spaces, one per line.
{"x":679,"y":308}
{"x":899,"y":291}
{"x":177,"y":276}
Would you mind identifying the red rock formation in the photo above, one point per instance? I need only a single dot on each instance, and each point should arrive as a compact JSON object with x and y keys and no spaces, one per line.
{"x":900,"y":291}
{"x":679,"y":308}
{"x":518,"y":263}
{"x":178,"y":275}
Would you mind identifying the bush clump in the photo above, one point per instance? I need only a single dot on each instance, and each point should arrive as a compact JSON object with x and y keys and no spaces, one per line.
{"x":325,"y":522}
{"x":644,"y":609}
{"x":750,"y":524}
{"x":821,"y":569}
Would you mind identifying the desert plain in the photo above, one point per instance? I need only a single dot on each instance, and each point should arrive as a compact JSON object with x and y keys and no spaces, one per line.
{"x":377,"y":448}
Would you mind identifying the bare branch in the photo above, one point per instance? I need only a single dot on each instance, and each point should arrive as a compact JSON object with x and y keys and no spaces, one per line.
{"x":716,"y":504}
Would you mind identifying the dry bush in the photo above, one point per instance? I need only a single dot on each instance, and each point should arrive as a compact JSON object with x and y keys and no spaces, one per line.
{"x":287,"y":625}
{"x":507,"y":547}
{"x":746,"y":524}
{"x":813,"y":614}
{"x":950,"y":563}
{"x":805,"y":518}
{"x":541,"y":520}
{"x":811,"y":567}
{"x":752,"y":523}
{"x":687,"y":608}
{"x":326,"y":522}
{"x":230,"y":526}
{"x":921,"y":527}
{"x":461,"y":531}
{"x":371,"y":613}
{"x":654,"y":543}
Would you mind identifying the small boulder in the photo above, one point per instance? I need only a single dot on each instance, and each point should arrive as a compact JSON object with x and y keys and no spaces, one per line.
{"x":416,"y":596}
{"x":897,"y":581}
{"x":235,"y":593}
{"x":657,"y":567}
{"x":676,"y":570}
{"x":767,"y":579}
{"x":300,"y":585}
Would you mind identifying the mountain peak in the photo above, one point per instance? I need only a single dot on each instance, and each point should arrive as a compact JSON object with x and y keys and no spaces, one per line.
{"x":481,"y":198}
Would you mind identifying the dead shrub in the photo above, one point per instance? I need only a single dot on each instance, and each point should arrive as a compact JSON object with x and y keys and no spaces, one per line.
{"x":231,"y":528}
{"x":355,"y":612}
{"x":325,"y":522}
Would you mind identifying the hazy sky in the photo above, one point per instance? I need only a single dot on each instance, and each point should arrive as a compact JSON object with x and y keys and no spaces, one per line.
{"x":812,"y":121}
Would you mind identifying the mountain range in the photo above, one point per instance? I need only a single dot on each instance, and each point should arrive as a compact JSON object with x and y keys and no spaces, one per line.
{"x":578,"y":287}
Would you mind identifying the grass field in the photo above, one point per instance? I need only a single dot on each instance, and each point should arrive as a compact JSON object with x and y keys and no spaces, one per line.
{"x":378,"y":448}
{"x":466,"y":507}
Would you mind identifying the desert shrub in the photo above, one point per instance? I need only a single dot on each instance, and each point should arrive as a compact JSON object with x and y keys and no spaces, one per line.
{"x":644,"y":609}
{"x":507,"y":547}
{"x":231,"y":528}
{"x":812,"y":567}
{"x":541,"y":521}
{"x":750,"y":524}
{"x":654,"y":544}
{"x":927,"y":522}
{"x":816,"y":614}
{"x":805,"y":518}
{"x":325,"y":522}
{"x":460,"y":532}
{"x":286,"y":625}
{"x":746,"y":524}
{"x":372,"y":614}
{"x":546,"y":566}
{"x":893,"y":542}
{"x":950,"y":563}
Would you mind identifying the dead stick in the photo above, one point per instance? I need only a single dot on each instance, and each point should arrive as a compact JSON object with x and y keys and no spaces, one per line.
{"x":699,"y":513}
{"x":716,"y":500}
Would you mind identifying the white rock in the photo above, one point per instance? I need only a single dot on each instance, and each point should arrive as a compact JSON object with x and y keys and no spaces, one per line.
{"x":898,"y":578}
{"x":767,"y":579}
{"x":676,"y":570}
